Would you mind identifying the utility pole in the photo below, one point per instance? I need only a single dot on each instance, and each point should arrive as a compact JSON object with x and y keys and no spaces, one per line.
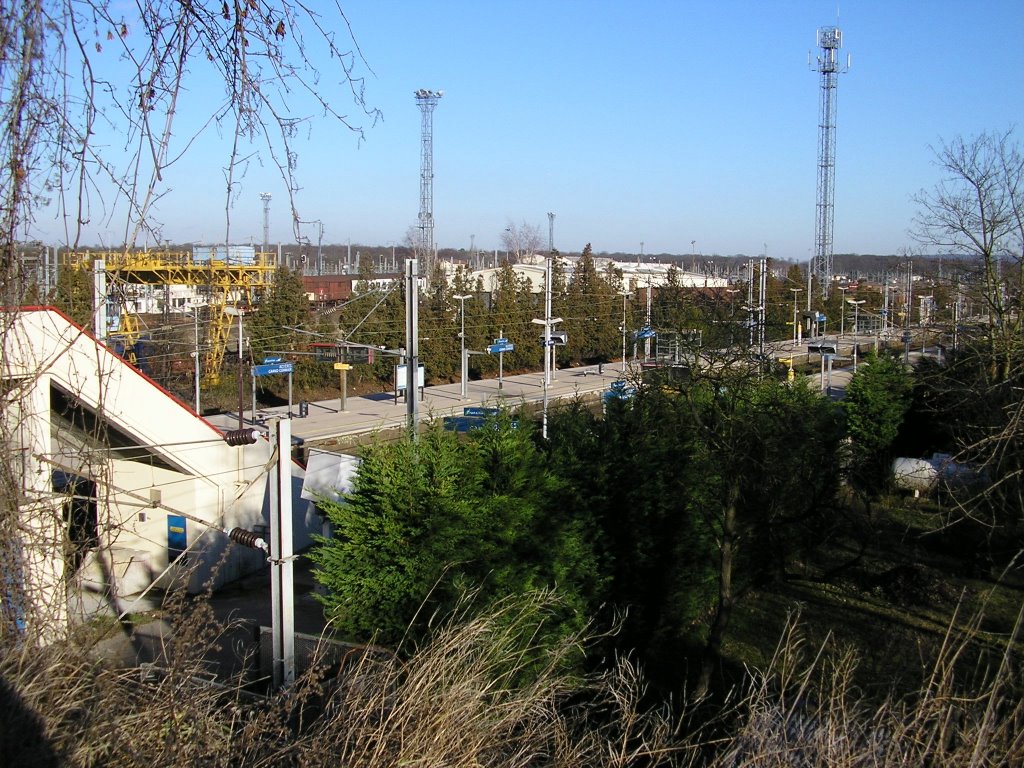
{"x":195,"y":354}
{"x":547,"y":298}
{"x":412,"y":344}
{"x":99,"y":293}
{"x":761,"y":307}
{"x":547,"y":322}
{"x":463,"y":358}
{"x":856,"y":327}
{"x":647,"y":341}
{"x":796,"y":326}
{"x":625,"y":295}
{"x":282,"y":583}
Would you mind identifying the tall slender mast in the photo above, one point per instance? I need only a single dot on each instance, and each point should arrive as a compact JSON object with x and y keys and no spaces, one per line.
{"x":427,"y":100}
{"x":830,"y":40}
{"x":265,"y":197}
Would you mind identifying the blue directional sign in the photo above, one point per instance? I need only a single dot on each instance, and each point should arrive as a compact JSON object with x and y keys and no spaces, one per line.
{"x":618,"y":390}
{"x":272,"y":360}
{"x":478,"y":411}
{"x":501,"y":341}
{"x":269,"y":369}
{"x":462,"y":423}
{"x":494,"y":349}
{"x":645,"y":333}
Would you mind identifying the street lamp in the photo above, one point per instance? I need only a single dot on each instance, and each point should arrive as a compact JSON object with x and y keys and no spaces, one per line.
{"x":796,"y":327}
{"x":856,"y":318}
{"x":842,"y":311}
{"x":856,"y":313}
{"x":625,"y":295}
{"x":547,"y":322}
{"x":464,"y":359}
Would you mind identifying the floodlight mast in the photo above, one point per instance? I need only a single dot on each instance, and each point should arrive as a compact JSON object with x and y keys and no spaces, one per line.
{"x":830,"y":40}
{"x":265,"y":197}
{"x":427,"y":100}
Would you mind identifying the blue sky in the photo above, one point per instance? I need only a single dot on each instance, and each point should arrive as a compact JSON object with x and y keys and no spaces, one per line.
{"x":648,"y":121}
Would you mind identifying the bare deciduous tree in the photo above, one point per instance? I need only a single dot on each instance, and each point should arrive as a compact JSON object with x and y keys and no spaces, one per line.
{"x":521,"y":240}
{"x":99,"y":101}
{"x":977,"y":211}
{"x":98,"y":106}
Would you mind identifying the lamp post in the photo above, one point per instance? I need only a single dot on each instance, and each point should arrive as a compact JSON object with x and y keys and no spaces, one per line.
{"x":625,"y":295}
{"x":856,"y":318}
{"x":464,"y":360}
{"x":856,"y":313}
{"x":842,"y":311}
{"x":796,"y":328}
{"x":547,"y":322}
{"x":236,"y":312}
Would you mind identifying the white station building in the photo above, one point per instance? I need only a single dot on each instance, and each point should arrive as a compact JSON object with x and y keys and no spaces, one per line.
{"x":123,"y":488}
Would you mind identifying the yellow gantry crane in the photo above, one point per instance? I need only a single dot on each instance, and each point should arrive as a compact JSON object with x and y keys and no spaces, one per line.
{"x":229,"y":277}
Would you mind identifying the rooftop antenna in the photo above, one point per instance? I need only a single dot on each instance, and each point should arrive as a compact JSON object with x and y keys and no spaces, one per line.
{"x":830,"y":40}
{"x":427,"y":101}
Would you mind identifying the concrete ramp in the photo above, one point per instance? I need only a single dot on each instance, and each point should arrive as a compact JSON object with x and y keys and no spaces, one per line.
{"x":45,"y":342}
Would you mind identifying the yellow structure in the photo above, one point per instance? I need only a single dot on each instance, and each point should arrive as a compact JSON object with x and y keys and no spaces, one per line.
{"x":226,"y":282}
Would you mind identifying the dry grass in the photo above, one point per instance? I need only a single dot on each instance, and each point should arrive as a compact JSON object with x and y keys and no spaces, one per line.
{"x":487,"y":690}
{"x":809,"y":713}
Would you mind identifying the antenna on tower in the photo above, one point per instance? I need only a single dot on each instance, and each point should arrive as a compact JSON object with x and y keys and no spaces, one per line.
{"x":830,"y":40}
{"x":426,"y":100}
{"x":265,"y":197}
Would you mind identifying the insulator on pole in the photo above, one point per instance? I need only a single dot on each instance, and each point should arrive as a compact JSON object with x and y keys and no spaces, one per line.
{"x":248,"y":539}
{"x":241,"y":436}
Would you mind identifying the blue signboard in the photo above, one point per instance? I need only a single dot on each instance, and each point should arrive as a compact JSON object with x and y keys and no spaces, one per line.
{"x":468,"y":422}
{"x":478,"y":411}
{"x":462,"y":423}
{"x":645,"y":333}
{"x":501,"y":341}
{"x":496,"y":348}
{"x":618,"y":390}
{"x":269,"y":369}
{"x":177,"y":536}
{"x":272,"y":360}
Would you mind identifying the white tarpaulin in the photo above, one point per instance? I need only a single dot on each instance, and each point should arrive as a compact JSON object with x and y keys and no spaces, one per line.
{"x":329,"y":475}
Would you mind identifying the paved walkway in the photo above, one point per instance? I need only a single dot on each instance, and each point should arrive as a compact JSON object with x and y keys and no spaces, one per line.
{"x":381,"y":411}
{"x":375,"y":412}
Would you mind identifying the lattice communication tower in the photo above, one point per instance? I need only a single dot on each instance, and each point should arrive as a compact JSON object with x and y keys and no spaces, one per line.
{"x":427,"y":100}
{"x":830,"y":40}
